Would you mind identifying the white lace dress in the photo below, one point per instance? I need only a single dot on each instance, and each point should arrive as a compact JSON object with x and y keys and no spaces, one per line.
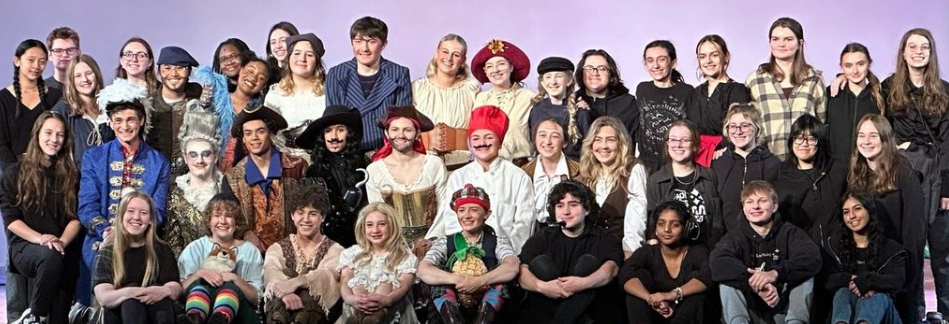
{"x":372,"y":273}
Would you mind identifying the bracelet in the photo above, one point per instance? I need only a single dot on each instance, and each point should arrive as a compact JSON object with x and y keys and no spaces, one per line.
{"x":678,"y":291}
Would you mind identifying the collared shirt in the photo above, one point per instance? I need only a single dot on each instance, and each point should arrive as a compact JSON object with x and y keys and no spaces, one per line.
{"x":543,"y":184}
{"x":274,"y":172}
{"x":509,"y":188}
{"x":779,"y":111}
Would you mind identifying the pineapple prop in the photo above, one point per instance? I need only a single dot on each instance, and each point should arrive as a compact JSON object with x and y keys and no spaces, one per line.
{"x":467,"y":261}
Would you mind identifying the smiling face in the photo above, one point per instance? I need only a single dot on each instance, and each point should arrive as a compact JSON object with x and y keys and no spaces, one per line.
{"x":31,"y":64}
{"x":855,"y":215}
{"x":335,"y":137}
{"x":596,"y":73}
{"x":556,"y":83}
{"x":303,"y":59}
{"x":135,"y":60}
{"x":485,"y":145}
{"x":570,"y":211}
{"x":658,"y":63}
{"x":308,"y":221}
{"x":222,"y":224}
{"x":804,"y":147}
{"x":200,"y":157}
{"x":229,"y":59}
{"x":499,"y":70}
{"x":917,"y":50}
{"x":869,"y":143}
{"x":450,"y":57}
{"x":758,"y":208}
{"x":472,"y":217}
{"x":741,"y":132}
{"x":257,"y":137}
{"x":253,"y":78}
{"x":402,"y":134}
{"x":51,"y":137}
{"x":377,"y":229}
{"x":784,"y":43}
{"x":278,"y":44}
{"x":126,"y":123}
{"x":680,"y":144}
{"x":711,"y":60}
{"x":84,"y":79}
{"x":549,"y":139}
{"x":368,"y":50}
{"x":669,"y":228}
{"x":855,"y":65}
{"x":173,"y":77}
{"x":137,"y":218}
{"x":605,"y":145}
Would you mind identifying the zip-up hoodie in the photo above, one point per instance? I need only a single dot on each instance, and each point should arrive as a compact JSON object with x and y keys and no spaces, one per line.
{"x":785,"y":248}
{"x":617,"y":103}
{"x":734,"y":171}
{"x":843,"y":113}
{"x":810,"y":199}
{"x":888,"y":277}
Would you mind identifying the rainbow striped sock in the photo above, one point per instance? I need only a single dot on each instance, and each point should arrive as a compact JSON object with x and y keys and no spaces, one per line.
{"x":198,"y":302}
{"x":226,"y":302}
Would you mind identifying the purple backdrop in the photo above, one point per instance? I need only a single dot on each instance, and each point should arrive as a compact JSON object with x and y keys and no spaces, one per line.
{"x":540,"y":28}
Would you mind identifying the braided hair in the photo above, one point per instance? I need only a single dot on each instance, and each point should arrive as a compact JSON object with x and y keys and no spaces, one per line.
{"x":40,"y":84}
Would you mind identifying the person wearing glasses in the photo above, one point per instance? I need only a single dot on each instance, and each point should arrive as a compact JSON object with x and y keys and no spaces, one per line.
{"x":505,"y":66}
{"x":136,"y":65}
{"x":229,"y":57}
{"x":600,"y":88}
{"x":63,"y":44}
{"x":174,"y":65}
{"x":662,"y":101}
{"x":684,"y":180}
{"x":743,"y":161}
{"x":369,"y":82}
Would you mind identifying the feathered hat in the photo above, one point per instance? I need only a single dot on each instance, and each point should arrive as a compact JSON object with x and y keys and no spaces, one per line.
{"x":123,"y":94}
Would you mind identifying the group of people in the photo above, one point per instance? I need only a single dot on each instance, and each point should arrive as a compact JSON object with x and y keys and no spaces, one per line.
{"x":274,"y":190}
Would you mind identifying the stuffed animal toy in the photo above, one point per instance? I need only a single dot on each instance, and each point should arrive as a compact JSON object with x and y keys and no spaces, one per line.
{"x":221,"y":259}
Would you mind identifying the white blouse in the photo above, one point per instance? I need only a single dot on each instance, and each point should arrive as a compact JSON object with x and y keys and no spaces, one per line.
{"x":516,"y":103}
{"x":299,"y":109}
{"x":451,"y":106}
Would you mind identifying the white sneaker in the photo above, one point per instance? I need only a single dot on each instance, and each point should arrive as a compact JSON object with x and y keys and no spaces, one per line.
{"x":29,"y":318}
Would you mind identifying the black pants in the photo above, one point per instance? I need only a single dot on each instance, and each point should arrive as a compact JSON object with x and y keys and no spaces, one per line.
{"x":539,"y":308}
{"x":689,"y":311}
{"x":52,"y":289}
{"x":132,"y":311}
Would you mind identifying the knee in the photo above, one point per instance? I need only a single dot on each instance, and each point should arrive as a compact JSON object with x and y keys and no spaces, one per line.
{"x":586,"y":265}
{"x":543,"y":267}
{"x":50,"y":261}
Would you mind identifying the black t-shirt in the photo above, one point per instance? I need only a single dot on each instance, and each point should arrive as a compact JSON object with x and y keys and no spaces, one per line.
{"x":861,"y":256}
{"x":658,"y":108}
{"x":648,"y":266}
{"x":367,"y":82}
{"x":566,"y":250}
{"x":53,"y":84}
{"x":134,"y":264}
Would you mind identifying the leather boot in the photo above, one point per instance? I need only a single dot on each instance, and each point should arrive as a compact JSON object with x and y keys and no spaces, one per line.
{"x":451,"y":314}
{"x":486,"y":314}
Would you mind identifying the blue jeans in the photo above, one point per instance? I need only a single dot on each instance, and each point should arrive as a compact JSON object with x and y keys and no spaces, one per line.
{"x":850,"y":308}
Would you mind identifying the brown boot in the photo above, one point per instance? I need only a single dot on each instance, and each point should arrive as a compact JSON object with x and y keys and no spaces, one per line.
{"x":485,"y":314}
{"x":451,"y":314}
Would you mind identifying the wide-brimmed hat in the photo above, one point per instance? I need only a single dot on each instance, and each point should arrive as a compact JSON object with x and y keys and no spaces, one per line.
{"x":424,"y":123}
{"x":333,"y":115}
{"x":273,"y":119}
{"x":497,"y":47}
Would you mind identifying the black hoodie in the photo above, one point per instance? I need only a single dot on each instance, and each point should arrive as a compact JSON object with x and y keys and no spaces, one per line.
{"x":843,"y":113}
{"x":617,"y":103}
{"x":810,"y":199}
{"x":734,"y":171}
{"x":888,"y":275}
{"x":785,"y":248}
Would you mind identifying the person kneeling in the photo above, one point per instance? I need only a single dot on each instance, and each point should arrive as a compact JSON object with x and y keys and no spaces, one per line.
{"x":667,"y":282}
{"x":468,"y":271}
{"x":565,"y":268}
{"x":867,"y":269}
{"x":766,"y":267}
{"x":300,"y":270}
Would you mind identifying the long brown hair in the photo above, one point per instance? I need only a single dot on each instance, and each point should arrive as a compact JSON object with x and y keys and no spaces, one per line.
{"x":32,"y":180}
{"x":71,"y":96}
{"x":934,"y":99}
{"x":799,"y":67}
{"x":726,"y":56}
{"x":122,"y":240}
{"x":590,"y":167}
{"x":150,"y":79}
{"x":883,"y":179}
{"x":395,"y":243}
{"x":318,"y":77}
{"x":873,"y":83}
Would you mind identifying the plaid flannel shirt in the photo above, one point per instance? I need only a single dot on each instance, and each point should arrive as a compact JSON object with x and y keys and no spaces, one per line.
{"x":778,"y":112}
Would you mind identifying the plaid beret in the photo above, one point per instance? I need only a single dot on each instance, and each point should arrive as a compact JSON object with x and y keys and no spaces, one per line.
{"x":470,"y":195}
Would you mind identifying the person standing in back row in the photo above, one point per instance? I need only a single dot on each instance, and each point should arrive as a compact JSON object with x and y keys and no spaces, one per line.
{"x":662,"y":101}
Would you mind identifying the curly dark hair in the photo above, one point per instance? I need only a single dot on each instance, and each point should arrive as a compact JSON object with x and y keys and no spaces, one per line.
{"x":848,"y":247}
{"x":352,"y":150}
{"x":685,"y":218}
{"x":306,"y":192}
{"x":578,"y":190}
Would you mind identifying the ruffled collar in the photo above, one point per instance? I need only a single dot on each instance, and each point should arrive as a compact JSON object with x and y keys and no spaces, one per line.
{"x":199,"y":197}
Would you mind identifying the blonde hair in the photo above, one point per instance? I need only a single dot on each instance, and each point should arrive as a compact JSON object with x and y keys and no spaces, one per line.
{"x":591,"y":169}
{"x":433,"y":64}
{"x":570,"y":97}
{"x":750,"y":112}
{"x":318,"y":78}
{"x":121,"y":240}
{"x":71,"y":96}
{"x":395,"y":243}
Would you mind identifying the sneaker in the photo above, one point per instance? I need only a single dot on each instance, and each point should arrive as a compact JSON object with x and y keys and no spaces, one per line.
{"x":77,"y":314}
{"x":29,"y":318}
{"x":935,"y":318}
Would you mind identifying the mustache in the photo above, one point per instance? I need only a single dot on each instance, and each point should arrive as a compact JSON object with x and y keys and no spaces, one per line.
{"x":481,"y":146}
{"x":335,"y":140}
